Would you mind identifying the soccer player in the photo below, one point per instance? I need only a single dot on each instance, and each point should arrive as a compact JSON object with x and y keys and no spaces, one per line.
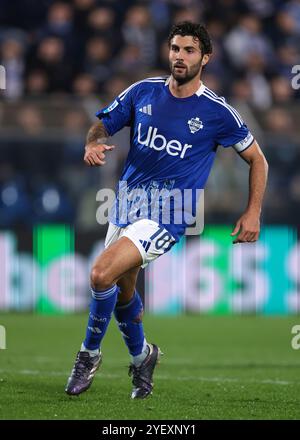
{"x":177,"y":124}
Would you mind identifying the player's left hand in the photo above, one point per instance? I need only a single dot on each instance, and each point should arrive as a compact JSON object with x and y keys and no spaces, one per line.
{"x":247,"y":227}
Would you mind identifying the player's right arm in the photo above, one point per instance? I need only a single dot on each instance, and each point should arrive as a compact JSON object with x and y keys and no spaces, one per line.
{"x":96,"y":147}
{"x":111,"y":119}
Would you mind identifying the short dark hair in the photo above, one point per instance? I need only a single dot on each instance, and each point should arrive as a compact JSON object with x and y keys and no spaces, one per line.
{"x":195,"y":30}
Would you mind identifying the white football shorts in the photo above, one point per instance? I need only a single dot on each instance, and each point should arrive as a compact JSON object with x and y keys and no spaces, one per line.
{"x":151,"y":239}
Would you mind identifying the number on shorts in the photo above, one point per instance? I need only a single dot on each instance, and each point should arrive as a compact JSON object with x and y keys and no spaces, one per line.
{"x":162,"y":237}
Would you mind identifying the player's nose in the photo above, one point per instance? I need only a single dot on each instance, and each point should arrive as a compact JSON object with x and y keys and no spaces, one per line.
{"x":180,"y":59}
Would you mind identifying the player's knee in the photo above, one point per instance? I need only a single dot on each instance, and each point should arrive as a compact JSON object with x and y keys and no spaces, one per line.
{"x":100,"y":279}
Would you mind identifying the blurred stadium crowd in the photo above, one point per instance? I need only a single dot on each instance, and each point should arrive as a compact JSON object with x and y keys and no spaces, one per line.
{"x":66,"y":59}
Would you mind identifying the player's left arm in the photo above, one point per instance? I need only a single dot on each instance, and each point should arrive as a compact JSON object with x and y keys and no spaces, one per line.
{"x":248,"y":225}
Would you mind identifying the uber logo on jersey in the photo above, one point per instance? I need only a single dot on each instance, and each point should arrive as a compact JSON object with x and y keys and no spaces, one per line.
{"x":158,"y":142}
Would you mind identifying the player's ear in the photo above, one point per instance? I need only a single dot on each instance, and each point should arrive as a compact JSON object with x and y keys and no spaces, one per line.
{"x":205,"y":59}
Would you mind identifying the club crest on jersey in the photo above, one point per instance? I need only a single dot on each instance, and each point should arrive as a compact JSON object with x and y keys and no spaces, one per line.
{"x":195,"y":125}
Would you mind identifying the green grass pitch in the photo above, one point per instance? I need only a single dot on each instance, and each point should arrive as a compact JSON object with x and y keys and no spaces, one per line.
{"x":213,"y":368}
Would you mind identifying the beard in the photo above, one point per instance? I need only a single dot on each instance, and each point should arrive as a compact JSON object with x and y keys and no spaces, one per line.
{"x":185,"y":74}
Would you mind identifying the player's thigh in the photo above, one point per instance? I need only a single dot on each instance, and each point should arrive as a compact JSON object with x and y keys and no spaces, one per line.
{"x":150,"y":238}
{"x":116,"y":260}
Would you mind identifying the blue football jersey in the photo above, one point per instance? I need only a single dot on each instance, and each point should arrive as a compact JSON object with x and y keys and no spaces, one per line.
{"x":173,"y":143}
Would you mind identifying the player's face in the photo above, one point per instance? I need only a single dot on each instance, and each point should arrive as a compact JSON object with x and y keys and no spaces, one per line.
{"x":185,"y":58}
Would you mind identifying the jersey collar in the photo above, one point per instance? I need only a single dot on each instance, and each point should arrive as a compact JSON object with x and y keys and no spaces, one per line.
{"x":198,"y":92}
{"x":201,"y":89}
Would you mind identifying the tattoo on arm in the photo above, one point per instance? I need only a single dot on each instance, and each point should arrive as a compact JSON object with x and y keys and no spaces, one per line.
{"x":97,"y":133}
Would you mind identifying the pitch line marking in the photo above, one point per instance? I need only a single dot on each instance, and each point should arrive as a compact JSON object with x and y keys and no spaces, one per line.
{"x":160,"y":377}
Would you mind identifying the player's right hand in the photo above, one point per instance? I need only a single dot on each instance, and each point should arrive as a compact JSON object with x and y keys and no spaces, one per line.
{"x":95,"y":154}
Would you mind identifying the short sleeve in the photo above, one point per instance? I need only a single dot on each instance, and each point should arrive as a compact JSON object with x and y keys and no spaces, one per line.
{"x":232,"y":131}
{"x":119,"y":113}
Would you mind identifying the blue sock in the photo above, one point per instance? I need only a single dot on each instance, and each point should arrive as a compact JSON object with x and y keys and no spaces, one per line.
{"x":129,"y":318}
{"x":101,"y":308}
